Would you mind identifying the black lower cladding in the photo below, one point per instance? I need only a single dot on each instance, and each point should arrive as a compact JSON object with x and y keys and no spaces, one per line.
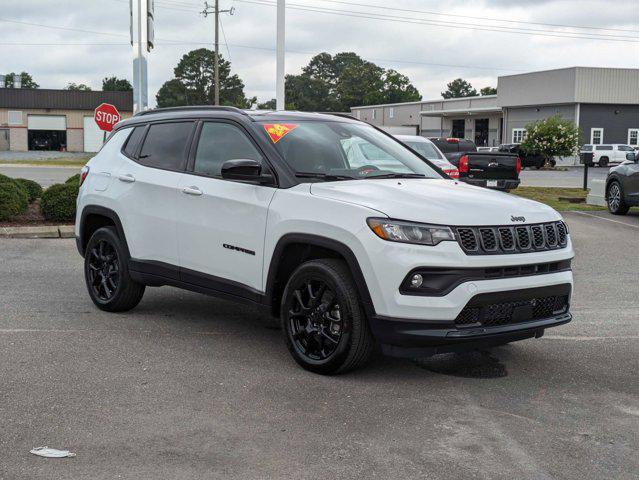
{"x":518,"y":320}
{"x":490,"y":309}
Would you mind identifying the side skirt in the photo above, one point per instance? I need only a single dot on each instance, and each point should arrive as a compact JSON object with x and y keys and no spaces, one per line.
{"x":156,"y":274}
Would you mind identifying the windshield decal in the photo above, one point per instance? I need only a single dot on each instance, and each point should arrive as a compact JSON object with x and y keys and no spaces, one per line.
{"x":277,"y":130}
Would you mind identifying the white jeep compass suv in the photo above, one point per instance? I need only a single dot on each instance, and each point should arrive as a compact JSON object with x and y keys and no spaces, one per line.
{"x":273,"y":209}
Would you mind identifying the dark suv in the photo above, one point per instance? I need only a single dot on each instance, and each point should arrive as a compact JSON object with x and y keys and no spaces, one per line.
{"x":622,"y":185}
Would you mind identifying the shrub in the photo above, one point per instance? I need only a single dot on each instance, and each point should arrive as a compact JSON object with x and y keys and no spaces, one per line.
{"x":75,"y":180}
{"x":551,"y":137}
{"x":34,"y":190}
{"x":58,"y":202}
{"x":14,"y":199}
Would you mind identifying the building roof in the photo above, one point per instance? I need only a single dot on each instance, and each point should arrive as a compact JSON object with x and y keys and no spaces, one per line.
{"x":457,"y":111}
{"x":36,"y":98}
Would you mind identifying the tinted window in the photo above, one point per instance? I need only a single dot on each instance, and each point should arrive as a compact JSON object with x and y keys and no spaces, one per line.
{"x":604,"y":147}
{"x":220,"y":142}
{"x":587,"y":148}
{"x":165,"y":145}
{"x":134,"y":141}
{"x":625,"y":148}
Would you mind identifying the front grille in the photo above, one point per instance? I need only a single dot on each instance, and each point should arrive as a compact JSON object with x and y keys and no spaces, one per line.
{"x":519,"y":239}
{"x":514,"y":311}
{"x":468,"y":239}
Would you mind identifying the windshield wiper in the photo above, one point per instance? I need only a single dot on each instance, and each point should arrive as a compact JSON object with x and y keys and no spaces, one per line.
{"x":324,"y":176}
{"x":397,"y":175}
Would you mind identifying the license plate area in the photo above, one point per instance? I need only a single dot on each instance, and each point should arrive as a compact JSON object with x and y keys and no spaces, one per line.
{"x":491,"y":183}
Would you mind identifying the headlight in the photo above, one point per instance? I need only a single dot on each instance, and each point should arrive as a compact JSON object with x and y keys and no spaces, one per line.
{"x":407,"y":232}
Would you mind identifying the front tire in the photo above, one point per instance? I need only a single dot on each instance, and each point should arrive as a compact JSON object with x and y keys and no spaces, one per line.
{"x":106,"y":273}
{"x":614,"y":199}
{"x":324,"y":325}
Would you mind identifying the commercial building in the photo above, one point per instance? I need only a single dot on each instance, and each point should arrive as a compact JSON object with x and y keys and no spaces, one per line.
{"x":602,"y":102}
{"x":41,"y":119}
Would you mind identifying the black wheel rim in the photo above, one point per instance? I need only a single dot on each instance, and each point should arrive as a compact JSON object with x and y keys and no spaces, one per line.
{"x":103,"y":268}
{"x":315,"y":320}
{"x":614,"y":197}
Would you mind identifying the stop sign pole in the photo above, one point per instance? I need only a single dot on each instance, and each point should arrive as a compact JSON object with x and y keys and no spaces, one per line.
{"x":105,"y":117}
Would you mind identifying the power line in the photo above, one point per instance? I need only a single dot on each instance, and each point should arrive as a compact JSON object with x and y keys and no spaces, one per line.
{"x":56,"y":27}
{"x":425,"y":12}
{"x":495,"y":28}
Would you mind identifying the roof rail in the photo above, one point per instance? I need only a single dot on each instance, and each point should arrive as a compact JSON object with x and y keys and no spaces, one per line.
{"x":190,"y":108}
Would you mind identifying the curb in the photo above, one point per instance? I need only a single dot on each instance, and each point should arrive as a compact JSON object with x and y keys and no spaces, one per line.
{"x":53,"y":231}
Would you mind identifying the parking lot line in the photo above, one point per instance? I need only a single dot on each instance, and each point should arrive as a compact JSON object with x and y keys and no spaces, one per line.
{"x":606,"y":219}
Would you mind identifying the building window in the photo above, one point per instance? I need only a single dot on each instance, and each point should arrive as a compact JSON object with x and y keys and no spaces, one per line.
{"x":633,"y":137}
{"x":15,"y":117}
{"x":391,"y":112}
{"x":519,"y":135}
{"x":374,"y":114}
{"x":358,"y":114}
{"x":596,"y":136}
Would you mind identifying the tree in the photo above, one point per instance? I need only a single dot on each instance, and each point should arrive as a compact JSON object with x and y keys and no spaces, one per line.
{"x":334,"y":83}
{"x":27,"y":80}
{"x":551,"y":137}
{"x":459,"y":88}
{"x":488,"y":91}
{"x":115,"y":84}
{"x":194,"y":83}
{"x":78,"y":87}
{"x":268,"y":105}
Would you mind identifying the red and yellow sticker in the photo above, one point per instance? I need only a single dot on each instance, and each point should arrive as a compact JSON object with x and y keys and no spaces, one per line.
{"x":278,"y":130}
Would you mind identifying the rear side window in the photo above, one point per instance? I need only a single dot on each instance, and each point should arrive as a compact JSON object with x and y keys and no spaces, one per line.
{"x":220,"y":142}
{"x":165,"y":145}
{"x":134,"y":141}
{"x":604,"y":147}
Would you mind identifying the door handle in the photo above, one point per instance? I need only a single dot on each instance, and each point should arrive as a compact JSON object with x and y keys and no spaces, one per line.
{"x":127,"y":178}
{"x":192,"y":190}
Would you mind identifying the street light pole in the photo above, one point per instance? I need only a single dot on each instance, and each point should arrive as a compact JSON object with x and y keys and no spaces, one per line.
{"x":280,"y":103}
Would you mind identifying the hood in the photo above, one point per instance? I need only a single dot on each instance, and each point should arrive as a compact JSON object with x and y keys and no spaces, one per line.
{"x":443,"y":202}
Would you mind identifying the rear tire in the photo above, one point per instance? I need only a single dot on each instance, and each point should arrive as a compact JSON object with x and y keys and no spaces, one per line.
{"x":106,"y":273}
{"x":603,"y":162}
{"x":614,"y":199}
{"x":324,"y":325}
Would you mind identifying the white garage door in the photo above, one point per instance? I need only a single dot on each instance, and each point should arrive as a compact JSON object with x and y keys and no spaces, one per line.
{"x":93,"y":136}
{"x":47,"y":122}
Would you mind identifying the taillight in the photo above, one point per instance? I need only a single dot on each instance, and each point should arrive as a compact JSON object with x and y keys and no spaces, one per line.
{"x":463,"y":164}
{"x":518,"y":165}
{"x":452,"y":173}
{"x":452,"y":140}
{"x":83,"y":174}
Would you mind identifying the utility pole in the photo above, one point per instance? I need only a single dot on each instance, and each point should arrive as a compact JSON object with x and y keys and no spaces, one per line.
{"x":142,"y":35}
{"x":215,"y":9}
{"x":280,"y":103}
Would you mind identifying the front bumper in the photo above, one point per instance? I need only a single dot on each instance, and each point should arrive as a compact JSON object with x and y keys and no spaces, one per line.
{"x":501,"y":184}
{"x":495,"y":319}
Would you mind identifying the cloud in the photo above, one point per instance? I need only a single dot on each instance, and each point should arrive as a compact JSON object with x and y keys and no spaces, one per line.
{"x":433,"y":54}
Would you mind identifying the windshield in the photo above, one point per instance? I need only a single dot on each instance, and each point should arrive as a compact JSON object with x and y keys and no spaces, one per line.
{"x":336,"y":150}
{"x":426,"y":150}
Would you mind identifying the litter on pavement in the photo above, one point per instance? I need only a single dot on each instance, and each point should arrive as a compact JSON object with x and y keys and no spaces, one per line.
{"x":51,"y":452}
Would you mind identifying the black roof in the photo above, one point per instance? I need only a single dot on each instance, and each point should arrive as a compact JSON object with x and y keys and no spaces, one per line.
{"x":25,"y":98}
{"x":226,"y":112}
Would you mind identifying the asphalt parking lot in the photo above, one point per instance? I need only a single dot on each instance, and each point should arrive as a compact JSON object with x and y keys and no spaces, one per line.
{"x":190,"y":387}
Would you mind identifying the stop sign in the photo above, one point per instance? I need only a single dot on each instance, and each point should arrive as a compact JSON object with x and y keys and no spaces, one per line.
{"x":106,"y":116}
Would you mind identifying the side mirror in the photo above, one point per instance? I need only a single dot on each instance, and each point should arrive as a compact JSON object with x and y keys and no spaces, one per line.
{"x":631,"y":156}
{"x":245,"y":170}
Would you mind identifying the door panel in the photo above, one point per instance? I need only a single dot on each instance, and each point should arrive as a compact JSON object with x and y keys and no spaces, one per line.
{"x":631,"y":184}
{"x":222,"y":230}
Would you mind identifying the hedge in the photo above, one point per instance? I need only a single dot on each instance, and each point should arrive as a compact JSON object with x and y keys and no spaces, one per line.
{"x":34,"y":190}
{"x":75,"y":180}
{"x":14,"y":199}
{"x":58,"y":202}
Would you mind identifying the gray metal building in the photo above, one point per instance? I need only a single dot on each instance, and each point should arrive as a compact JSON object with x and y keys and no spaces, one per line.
{"x":603,"y":102}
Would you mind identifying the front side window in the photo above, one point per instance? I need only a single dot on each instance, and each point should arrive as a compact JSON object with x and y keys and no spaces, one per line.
{"x":220,"y":142}
{"x":165,"y":145}
{"x":345,"y":150}
{"x":625,"y":148}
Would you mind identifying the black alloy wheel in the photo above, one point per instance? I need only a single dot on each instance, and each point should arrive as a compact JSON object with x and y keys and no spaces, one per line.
{"x":315,"y":320}
{"x":324,"y":324}
{"x":103,"y":270}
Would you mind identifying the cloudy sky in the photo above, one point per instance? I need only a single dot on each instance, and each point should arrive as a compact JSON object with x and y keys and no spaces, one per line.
{"x":431,"y":41}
